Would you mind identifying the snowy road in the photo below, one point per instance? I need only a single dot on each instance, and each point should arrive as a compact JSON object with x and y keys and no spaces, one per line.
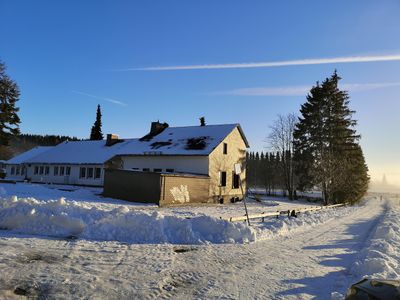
{"x":308,"y":263}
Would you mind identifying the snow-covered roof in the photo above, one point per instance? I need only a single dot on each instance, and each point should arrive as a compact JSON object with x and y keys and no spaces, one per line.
{"x":189,"y":140}
{"x":80,"y":152}
{"x":25,"y":156}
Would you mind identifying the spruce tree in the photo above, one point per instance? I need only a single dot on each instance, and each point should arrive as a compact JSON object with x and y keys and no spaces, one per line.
{"x":327,"y":152}
{"x":9,"y":95}
{"x":96,"y":133}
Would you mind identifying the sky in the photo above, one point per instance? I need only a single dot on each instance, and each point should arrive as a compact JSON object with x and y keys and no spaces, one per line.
{"x":229,"y":61}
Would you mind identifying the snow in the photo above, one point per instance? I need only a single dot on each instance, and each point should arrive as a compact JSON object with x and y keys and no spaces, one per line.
{"x":175,"y":140}
{"x":61,"y":218}
{"x":128,"y":250}
{"x":21,"y":158}
{"x":79,"y":152}
{"x":172,"y":141}
{"x":381,"y":257}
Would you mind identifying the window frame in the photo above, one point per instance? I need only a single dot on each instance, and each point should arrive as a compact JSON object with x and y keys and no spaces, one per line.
{"x":235,"y":179}
{"x":89,"y":173}
{"x":222,"y":178}
{"x":225,"y":148}
{"x":82,"y":172}
{"x":97,"y":175}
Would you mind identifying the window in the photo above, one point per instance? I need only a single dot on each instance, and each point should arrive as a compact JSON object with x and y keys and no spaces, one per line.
{"x":235,"y":181}
{"x":97,"y":173}
{"x":62,"y":169}
{"x":12,"y":170}
{"x":36,"y":170}
{"x":41,"y":170}
{"x":17,"y":173}
{"x":89,"y":172}
{"x":82,"y":172}
{"x":146,"y":170}
{"x":170,"y":170}
{"x":135,"y":169}
{"x":46,"y":170}
{"x":23,"y":171}
{"x":225,"y":148}
{"x":157,"y":170}
{"x":68,"y":171}
{"x":222,"y":178}
{"x":55,"y":170}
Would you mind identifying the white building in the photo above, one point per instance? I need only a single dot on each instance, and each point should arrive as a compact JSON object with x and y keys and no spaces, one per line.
{"x":210,"y":150}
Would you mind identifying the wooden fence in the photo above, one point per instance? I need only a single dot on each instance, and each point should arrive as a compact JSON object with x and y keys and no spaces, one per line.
{"x":289,"y":213}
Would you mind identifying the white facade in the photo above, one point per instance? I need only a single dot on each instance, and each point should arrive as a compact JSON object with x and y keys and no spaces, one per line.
{"x":91,"y":175}
{"x":173,"y":164}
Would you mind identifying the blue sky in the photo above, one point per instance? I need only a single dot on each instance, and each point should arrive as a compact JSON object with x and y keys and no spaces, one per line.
{"x":68,"y":56}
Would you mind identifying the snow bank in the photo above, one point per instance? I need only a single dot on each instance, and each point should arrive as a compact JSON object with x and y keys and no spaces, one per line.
{"x":60,"y":218}
{"x":284,"y":226}
{"x":381,"y":257}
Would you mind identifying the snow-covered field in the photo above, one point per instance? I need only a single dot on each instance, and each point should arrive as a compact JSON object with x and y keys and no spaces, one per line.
{"x":75,"y":244}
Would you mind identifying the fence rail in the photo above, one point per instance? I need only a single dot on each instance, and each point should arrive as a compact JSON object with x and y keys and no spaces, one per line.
{"x":290,"y":213}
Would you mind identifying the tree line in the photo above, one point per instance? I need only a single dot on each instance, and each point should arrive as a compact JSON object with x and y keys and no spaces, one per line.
{"x":318,"y":150}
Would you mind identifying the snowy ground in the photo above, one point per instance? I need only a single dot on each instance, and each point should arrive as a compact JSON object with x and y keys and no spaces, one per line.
{"x":317,"y":255}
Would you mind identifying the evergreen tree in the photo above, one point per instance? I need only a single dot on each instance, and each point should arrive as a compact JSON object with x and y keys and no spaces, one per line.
{"x":9,"y":95}
{"x":96,"y":133}
{"x":202,"y":121}
{"x":327,"y":152}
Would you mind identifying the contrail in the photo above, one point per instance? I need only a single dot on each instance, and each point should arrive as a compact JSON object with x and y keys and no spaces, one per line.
{"x":113,"y":101}
{"x":271,"y":64}
{"x":304,"y":89}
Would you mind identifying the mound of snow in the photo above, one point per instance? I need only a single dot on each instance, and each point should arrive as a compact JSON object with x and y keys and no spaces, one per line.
{"x":60,"y":218}
{"x":381,"y":257}
{"x":283,"y":226}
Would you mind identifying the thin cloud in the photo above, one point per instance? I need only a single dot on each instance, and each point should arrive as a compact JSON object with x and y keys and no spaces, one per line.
{"x":270,"y":64}
{"x":302,"y":90}
{"x":113,"y":101}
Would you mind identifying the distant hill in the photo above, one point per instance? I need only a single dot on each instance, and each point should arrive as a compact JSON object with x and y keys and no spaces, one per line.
{"x":25,"y":142}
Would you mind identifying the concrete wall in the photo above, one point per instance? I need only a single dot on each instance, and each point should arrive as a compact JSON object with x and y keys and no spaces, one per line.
{"x":177,"y":189}
{"x":220,"y":162}
{"x":132,"y":186}
{"x":149,"y":187}
{"x":182,"y":164}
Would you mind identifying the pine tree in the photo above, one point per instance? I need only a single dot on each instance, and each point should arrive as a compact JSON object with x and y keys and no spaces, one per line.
{"x":326,"y":145}
{"x":9,"y":95}
{"x":202,"y":121}
{"x":96,"y":133}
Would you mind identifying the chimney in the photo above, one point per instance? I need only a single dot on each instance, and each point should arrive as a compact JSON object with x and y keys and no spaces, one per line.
{"x":112,"y":139}
{"x":157,"y":127}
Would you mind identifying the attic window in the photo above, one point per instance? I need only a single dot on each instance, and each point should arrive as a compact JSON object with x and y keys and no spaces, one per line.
{"x":198,"y":143}
{"x":225,"y":148}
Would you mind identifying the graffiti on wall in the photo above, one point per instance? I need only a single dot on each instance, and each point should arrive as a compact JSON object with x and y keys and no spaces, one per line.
{"x":180,"y":194}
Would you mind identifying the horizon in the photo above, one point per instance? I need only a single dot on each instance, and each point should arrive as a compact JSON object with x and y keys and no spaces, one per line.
{"x":242,"y":64}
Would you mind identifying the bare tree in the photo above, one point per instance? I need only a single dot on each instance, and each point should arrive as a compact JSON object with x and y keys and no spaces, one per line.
{"x":281,"y":140}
